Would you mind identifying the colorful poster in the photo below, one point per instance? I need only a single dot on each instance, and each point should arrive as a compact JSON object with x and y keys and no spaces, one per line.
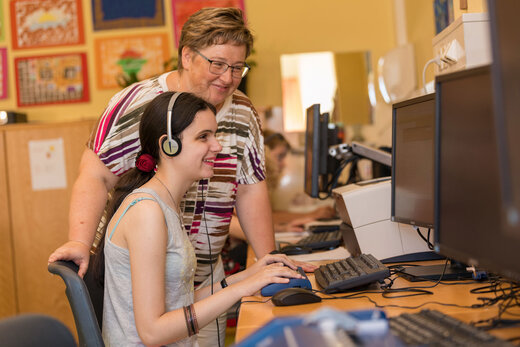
{"x":182,"y":9}
{"x":51,"y":79}
{"x":120,"y":14}
{"x":46,"y":23}
{"x":123,"y":60}
{"x":3,"y":73}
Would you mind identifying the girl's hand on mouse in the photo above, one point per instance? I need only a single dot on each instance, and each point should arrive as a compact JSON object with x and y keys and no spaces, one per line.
{"x":267,"y":274}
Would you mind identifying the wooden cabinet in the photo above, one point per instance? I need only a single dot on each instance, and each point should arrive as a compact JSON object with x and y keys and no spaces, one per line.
{"x":37,"y":220}
{"x":7,"y":283}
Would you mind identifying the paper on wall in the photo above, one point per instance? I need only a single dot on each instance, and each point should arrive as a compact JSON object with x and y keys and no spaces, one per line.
{"x":47,"y":161}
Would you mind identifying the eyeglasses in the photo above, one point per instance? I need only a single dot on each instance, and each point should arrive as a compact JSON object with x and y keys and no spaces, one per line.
{"x":219,"y":67}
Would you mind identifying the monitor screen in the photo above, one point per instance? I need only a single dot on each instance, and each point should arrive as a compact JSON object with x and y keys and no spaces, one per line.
{"x":413,"y":131}
{"x":505,"y":74}
{"x":316,"y":151}
{"x":467,"y":181}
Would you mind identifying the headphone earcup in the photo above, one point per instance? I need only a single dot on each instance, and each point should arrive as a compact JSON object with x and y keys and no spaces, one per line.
{"x":171,"y":148}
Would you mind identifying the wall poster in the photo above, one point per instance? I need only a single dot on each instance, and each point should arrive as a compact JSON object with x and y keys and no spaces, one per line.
{"x":51,"y":79}
{"x":46,"y":23}
{"x":126,"y":57}
{"x":121,"y":14}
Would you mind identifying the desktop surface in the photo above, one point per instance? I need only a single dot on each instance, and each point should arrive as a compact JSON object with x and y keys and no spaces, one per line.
{"x":255,"y":315}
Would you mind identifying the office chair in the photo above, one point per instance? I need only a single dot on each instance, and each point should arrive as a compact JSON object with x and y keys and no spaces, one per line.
{"x":87,"y":326}
{"x":27,"y":330}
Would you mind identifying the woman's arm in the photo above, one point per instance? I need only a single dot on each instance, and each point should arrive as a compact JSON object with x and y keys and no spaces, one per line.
{"x":145,"y":235}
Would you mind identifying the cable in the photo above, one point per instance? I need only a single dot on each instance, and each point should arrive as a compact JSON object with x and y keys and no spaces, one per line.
{"x":210,"y":254}
{"x":435,"y":60}
{"x":427,"y":240}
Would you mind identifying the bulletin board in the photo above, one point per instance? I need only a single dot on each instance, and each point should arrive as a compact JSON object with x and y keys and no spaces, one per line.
{"x":46,"y":23}
{"x":51,"y":79}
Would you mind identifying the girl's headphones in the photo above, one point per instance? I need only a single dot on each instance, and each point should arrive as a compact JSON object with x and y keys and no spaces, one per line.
{"x":171,"y":145}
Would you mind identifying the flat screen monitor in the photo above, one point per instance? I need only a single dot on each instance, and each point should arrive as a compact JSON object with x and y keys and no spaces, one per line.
{"x":413,"y":129}
{"x":505,"y":74}
{"x":467,"y":180}
{"x":316,"y":151}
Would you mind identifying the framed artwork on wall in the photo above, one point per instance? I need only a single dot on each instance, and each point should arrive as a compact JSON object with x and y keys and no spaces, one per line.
{"x":122,"y":60}
{"x":120,"y":14}
{"x":3,"y":73}
{"x":46,"y":23}
{"x":2,"y":22}
{"x":51,"y":79}
{"x":182,"y":9}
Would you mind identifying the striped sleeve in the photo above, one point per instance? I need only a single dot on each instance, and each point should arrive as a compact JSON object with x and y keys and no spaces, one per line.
{"x":116,"y":138}
{"x":252,"y":163}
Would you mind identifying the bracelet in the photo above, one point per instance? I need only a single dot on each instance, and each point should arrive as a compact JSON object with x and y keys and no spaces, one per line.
{"x":223,"y":283}
{"x":194,"y":321}
{"x":188,"y":325}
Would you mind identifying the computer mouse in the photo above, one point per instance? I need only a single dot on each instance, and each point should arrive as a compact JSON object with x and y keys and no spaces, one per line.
{"x":294,"y":296}
{"x":295,"y":249}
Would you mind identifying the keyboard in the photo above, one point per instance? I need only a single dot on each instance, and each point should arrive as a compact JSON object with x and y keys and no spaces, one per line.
{"x":324,"y":240}
{"x":434,"y":328}
{"x":350,"y":273}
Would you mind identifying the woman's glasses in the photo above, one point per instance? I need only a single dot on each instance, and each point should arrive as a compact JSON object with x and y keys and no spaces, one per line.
{"x":219,"y":67}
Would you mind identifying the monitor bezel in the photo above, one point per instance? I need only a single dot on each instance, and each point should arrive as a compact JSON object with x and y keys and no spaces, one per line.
{"x":424,"y":98}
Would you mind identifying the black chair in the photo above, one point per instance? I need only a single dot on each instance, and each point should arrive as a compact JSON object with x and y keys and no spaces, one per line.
{"x":87,"y":326}
{"x":27,"y":330}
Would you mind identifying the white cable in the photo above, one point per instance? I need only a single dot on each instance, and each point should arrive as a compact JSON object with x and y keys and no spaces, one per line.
{"x":435,"y":60}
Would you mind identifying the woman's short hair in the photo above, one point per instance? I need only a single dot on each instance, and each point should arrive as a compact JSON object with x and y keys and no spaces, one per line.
{"x":272,"y":139}
{"x":215,"y":26}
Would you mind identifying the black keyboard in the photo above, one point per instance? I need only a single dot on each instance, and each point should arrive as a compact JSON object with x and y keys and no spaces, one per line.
{"x":434,"y":328}
{"x":350,"y":273}
{"x":326,"y":240}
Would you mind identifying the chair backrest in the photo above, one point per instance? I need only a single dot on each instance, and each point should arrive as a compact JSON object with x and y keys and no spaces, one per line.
{"x":89,"y":333}
{"x":34,"y":330}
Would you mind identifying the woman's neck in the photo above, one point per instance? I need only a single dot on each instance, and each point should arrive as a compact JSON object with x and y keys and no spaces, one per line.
{"x":170,"y":189}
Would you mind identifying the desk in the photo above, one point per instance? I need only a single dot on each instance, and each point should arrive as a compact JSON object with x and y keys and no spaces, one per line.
{"x":254,"y":315}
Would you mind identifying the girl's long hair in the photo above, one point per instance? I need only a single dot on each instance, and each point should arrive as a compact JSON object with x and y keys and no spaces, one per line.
{"x":151,"y":128}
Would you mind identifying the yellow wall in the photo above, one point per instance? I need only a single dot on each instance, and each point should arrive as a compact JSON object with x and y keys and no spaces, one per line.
{"x":280,"y":27}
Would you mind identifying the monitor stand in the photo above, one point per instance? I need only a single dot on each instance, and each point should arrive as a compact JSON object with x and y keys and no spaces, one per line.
{"x":454,"y":271}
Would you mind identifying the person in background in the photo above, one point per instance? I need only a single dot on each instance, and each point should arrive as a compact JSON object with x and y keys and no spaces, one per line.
{"x":148,"y":258}
{"x":213,"y":47}
{"x":276,"y":149}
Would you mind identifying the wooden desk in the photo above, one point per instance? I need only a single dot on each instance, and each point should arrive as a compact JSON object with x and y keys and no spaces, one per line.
{"x":254,"y":315}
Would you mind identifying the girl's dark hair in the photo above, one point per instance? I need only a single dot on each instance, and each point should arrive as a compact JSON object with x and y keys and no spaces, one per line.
{"x":151,"y":128}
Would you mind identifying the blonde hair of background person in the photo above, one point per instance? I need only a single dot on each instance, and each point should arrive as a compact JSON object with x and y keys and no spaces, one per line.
{"x":149,"y":260}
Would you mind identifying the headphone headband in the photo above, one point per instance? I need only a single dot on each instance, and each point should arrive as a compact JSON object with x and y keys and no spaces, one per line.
{"x":169,"y":118}
{"x":171,"y":145}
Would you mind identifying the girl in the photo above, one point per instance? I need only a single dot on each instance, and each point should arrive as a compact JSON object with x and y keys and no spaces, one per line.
{"x":149,"y":259}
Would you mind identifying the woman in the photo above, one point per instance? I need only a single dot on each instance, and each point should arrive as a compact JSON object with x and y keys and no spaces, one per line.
{"x":213,"y":47}
{"x":149,"y":259}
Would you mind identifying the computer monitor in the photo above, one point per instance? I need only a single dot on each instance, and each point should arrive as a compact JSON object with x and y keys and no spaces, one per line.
{"x":505,"y":75}
{"x":413,"y":129}
{"x":467,"y":180}
{"x":316,"y":151}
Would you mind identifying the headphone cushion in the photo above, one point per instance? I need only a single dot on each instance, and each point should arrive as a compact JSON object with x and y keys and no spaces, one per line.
{"x":171,"y":148}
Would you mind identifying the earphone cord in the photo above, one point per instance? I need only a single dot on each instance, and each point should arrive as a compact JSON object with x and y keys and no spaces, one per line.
{"x":210,"y":254}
